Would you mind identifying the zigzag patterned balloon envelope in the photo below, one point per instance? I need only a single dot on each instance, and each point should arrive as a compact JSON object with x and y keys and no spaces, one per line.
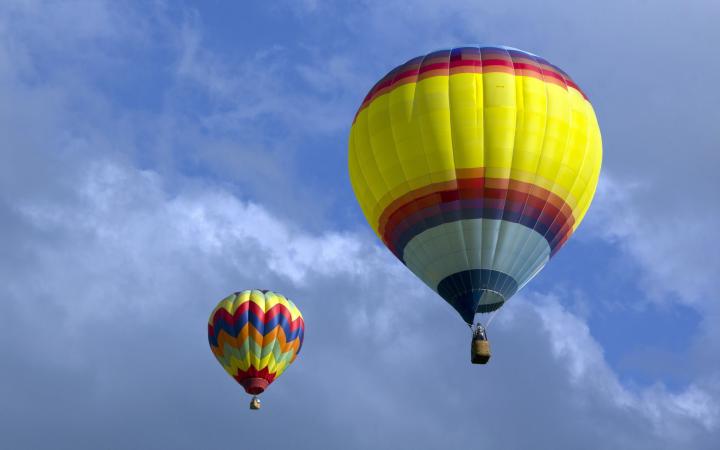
{"x":474,"y":166}
{"x":255,"y":335}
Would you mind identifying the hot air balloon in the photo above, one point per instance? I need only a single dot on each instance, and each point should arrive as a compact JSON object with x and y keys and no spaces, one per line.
{"x":255,"y":335}
{"x":474,"y":166}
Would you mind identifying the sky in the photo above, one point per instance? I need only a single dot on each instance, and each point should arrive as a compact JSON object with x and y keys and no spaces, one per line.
{"x":156,"y":156}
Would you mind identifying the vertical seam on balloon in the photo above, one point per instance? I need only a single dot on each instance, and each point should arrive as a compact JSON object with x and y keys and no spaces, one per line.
{"x":261,"y":330}
{"x":536,"y":251}
{"x":421,"y":247}
{"x":264,"y":333}
{"x":484,"y":222}
{"x":357,"y":174}
{"x":369,"y":213}
{"x":301,"y":329}
{"x":480,"y":86}
{"x":267,"y":333}
{"x":557,"y":239}
{"x":361,"y":174}
{"x":486,"y":232}
{"x":372,"y":152}
{"x":569,"y":232}
{"x":439,"y":206}
{"x":246,"y":343}
{"x":492,"y":277}
{"x":458,"y":223}
{"x":364,"y":128}
{"x":427,"y":162}
{"x":240,"y":345}
{"x":276,"y":343}
{"x":234,"y":333}
{"x":591,"y":185}
{"x":298,"y":339}
{"x":287,"y":357}
{"x":406,"y":180}
{"x":515,"y":267}
{"x":500,"y":244}
{"x":538,"y":247}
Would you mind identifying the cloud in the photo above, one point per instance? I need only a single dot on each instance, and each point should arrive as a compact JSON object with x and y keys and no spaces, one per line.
{"x":677,"y":261}
{"x":572,"y":343}
{"x":270,"y":86}
{"x":129,"y":267}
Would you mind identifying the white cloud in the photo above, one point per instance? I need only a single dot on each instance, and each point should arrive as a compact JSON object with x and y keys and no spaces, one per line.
{"x":270,"y":84}
{"x":678,"y":260}
{"x":583,"y":357}
{"x":151,"y":236}
{"x":134,"y":233}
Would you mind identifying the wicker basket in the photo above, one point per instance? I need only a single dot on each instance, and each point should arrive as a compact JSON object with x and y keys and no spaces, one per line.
{"x":479,"y":351}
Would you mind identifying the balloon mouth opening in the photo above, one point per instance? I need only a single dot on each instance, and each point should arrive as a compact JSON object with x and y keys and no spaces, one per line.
{"x":254,"y":386}
{"x":488,"y":307}
{"x":485,"y":301}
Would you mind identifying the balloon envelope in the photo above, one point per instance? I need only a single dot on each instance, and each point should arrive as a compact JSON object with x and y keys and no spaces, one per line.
{"x":255,"y":335}
{"x":474,"y":166}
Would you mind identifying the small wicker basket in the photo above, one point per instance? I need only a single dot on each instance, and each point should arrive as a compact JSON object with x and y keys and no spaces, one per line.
{"x":480,"y":351}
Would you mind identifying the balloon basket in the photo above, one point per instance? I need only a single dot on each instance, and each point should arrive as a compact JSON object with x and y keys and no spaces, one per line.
{"x":480,"y":351}
{"x":255,"y":403}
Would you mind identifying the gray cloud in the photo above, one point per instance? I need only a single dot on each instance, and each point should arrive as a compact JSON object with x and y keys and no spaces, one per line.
{"x":115,"y":344}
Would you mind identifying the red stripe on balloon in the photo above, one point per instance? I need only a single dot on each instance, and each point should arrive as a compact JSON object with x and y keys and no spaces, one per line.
{"x":265,"y":317}
{"x":491,"y":62}
{"x":471,"y":188}
{"x":508,"y":195}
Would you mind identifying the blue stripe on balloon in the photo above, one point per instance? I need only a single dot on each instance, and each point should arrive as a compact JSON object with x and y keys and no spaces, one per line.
{"x":263,"y":328}
{"x":448,"y":212}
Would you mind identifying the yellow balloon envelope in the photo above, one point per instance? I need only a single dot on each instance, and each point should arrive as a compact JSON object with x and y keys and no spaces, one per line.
{"x":474,"y":166}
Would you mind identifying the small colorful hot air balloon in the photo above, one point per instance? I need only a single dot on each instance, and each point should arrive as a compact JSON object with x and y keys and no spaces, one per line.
{"x":474,"y":166}
{"x":255,"y":335}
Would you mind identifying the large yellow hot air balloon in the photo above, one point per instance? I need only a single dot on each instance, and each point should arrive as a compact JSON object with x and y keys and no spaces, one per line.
{"x":474,"y":166}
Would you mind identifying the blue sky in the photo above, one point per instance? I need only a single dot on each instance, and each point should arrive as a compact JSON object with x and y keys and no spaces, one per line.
{"x":157,"y":156}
